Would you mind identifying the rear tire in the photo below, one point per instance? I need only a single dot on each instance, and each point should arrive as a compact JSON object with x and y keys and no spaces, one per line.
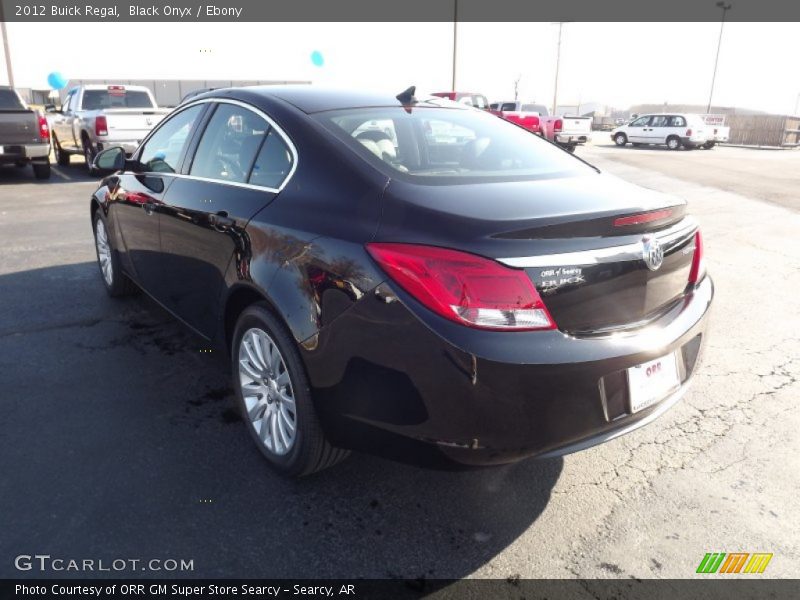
{"x":620,"y":139}
{"x":277,"y":406}
{"x":62,"y":158}
{"x":673,"y":142}
{"x":41,"y":170}
{"x":709,"y":145}
{"x":570,"y":149}
{"x":88,"y":155}
{"x":117,"y":283}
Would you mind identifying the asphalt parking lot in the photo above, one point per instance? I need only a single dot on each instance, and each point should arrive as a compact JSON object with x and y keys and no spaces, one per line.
{"x":119,"y":438}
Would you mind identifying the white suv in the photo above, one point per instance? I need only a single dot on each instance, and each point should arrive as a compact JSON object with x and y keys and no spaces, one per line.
{"x":671,"y":130}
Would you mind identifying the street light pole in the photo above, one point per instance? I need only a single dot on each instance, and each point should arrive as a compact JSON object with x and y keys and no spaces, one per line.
{"x":558,"y":61}
{"x":455,"y":42}
{"x":6,"y":50}
{"x":725,"y":8}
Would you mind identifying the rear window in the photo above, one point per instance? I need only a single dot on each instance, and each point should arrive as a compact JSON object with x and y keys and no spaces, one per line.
{"x":448,"y":145}
{"x":103,"y":99}
{"x":10,"y":101}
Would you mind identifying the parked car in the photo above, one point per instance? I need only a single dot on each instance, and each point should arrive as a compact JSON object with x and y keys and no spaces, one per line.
{"x":468,"y":98}
{"x":478,"y":297}
{"x":716,"y":130}
{"x":524,"y":115}
{"x":671,"y":130}
{"x":94,"y":117}
{"x":24,"y":134}
{"x":566,"y":131}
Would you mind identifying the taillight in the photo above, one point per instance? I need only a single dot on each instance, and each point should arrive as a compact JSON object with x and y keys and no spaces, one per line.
{"x":639,"y":219}
{"x":698,"y":260}
{"x":557,"y":126}
{"x":100,"y":125}
{"x":468,"y":289}
{"x":44,"y":129}
{"x":688,"y":132}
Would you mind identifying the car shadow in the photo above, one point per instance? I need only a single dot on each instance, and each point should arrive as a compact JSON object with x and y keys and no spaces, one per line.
{"x":119,"y":438}
{"x":75,"y":172}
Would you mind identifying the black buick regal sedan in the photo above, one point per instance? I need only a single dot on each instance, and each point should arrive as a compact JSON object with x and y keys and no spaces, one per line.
{"x":406,"y":276}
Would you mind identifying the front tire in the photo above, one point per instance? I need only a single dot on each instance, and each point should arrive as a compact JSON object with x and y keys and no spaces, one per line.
{"x":620,"y":139}
{"x":274,"y":396}
{"x":116,"y":282}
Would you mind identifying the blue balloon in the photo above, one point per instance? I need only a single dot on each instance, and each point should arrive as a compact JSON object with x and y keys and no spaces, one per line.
{"x":317,"y":58}
{"x":56,"y":80}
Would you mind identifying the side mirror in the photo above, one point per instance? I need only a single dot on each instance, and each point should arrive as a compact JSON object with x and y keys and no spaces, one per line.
{"x":110,"y":159}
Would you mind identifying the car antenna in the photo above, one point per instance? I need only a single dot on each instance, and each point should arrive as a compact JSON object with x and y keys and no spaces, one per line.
{"x":407,"y":96}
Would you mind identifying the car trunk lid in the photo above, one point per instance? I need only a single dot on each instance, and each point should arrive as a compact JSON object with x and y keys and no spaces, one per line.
{"x":589,"y":243}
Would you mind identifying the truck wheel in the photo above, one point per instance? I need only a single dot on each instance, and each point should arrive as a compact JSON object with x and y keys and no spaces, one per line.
{"x":620,"y":139}
{"x":62,"y":158}
{"x":88,"y":155}
{"x":673,"y":142}
{"x":709,"y":145}
{"x":41,"y":170}
{"x":570,"y":149}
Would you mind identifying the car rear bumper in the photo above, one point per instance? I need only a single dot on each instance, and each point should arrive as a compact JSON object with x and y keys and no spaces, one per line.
{"x":570,"y":138}
{"x":396,"y":380}
{"x":24,"y":152}
{"x":129,"y":146}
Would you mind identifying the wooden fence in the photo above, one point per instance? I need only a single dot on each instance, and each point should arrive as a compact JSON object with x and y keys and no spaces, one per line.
{"x":764,"y":130}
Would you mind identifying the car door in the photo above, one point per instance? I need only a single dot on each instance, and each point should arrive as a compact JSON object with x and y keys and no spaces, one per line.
{"x":657,"y":130}
{"x":238,"y":165}
{"x":138,"y":199}
{"x":636,"y":131}
{"x":62,"y":122}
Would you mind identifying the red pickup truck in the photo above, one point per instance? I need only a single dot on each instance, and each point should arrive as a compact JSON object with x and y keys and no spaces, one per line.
{"x":524,"y":115}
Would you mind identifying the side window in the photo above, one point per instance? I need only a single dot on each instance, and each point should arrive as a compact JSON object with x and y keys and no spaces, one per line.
{"x":229,"y":144}
{"x":480,"y":101}
{"x":163,"y":150}
{"x":509,"y":107}
{"x":678,"y":121}
{"x":641,"y":121}
{"x":659,"y":121}
{"x":273,"y":163}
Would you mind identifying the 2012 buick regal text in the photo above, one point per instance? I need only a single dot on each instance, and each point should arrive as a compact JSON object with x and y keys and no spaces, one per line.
{"x":406,"y":276}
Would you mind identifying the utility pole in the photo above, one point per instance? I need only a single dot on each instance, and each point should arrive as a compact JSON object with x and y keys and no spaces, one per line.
{"x":6,"y":50}
{"x":725,"y":8}
{"x":455,"y":42}
{"x":558,"y":60}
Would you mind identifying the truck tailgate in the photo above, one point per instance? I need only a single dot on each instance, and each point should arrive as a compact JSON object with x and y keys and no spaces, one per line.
{"x":576,"y":125}
{"x":18,"y":127}
{"x":131,"y":125}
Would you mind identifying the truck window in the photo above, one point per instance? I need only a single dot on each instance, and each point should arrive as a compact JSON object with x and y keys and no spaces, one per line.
{"x":105,"y":99}
{"x":9,"y":101}
{"x":537,"y":108}
{"x":509,"y":107}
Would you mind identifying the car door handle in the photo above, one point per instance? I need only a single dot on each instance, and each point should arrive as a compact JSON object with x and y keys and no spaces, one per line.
{"x":221,"y":218}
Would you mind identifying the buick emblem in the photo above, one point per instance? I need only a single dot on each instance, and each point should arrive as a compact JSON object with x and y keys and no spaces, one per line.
{"x":652,"y":252}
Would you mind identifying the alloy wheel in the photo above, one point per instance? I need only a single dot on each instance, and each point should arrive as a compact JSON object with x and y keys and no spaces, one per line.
{"x":104,"y":252}
{"x":267,"y":391}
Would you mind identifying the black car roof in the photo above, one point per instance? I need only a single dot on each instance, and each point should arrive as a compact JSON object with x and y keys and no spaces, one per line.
{"x":311,"y":99}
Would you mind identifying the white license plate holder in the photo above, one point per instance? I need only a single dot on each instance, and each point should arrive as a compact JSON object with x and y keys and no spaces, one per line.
{"x":652,"y":381}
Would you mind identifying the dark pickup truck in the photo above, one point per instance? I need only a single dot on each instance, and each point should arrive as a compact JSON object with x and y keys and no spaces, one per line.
{"x":24,"y":134}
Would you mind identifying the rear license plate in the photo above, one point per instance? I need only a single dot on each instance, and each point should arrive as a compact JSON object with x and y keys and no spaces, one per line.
{"x":652,"y":381}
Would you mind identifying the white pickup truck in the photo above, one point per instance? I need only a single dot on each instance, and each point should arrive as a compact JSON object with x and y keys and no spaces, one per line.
{"x":716,"y":131}
{"x":95,"y":117}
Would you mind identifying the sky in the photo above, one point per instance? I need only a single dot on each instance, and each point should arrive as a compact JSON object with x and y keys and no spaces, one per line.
{"x":615,"y":64}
